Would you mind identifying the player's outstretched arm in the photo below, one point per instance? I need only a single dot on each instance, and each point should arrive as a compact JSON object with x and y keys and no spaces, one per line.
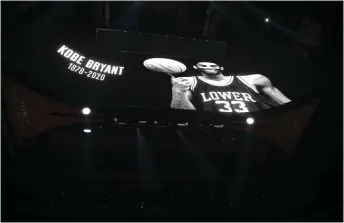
{"x":265,"y":87}
{"x":181,"y":95}
{"x":181,"y":101}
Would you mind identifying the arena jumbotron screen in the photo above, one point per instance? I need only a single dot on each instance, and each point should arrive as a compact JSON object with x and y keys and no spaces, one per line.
{"x":156,"y":81}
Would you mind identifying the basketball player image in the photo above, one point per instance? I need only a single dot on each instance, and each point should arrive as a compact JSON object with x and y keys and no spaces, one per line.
{"x":212,"y":91}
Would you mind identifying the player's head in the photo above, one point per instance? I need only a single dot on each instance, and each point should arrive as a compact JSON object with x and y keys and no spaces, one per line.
{"x":208,"y":68}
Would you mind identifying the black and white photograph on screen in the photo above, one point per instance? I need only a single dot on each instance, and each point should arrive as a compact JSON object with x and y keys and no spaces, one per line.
{"x":211,"y":90}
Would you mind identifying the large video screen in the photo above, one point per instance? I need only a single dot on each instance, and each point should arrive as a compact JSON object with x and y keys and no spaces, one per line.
{"x":156,"y":81}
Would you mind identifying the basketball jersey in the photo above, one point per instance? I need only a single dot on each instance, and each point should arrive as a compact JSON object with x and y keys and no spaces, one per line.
{"x":232,"y":95}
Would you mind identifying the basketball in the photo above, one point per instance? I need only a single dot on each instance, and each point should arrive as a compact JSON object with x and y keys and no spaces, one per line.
{"x":164,"y":65}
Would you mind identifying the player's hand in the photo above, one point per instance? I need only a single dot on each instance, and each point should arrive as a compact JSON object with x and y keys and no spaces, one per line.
{"x":180,"y":84}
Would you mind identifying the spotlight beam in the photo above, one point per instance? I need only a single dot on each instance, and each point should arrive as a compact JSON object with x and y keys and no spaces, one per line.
{"x":199,"y":158}
{"x":145,"y":163}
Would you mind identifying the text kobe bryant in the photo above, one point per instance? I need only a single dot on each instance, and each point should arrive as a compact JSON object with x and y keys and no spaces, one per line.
{"x":82,"y":62}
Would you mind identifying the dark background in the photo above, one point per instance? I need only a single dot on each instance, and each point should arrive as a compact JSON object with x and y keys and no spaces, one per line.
{"x":304,"y":187}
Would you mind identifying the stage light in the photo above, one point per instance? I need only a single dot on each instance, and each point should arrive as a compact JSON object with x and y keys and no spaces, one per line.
{"x":250,"y":121}
{"x":87,"y":130}
{"x":267,"y":20}
{"x":86,"y":111}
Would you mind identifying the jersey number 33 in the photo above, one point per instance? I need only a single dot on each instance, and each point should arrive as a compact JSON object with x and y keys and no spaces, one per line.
{"x":226,"y":106}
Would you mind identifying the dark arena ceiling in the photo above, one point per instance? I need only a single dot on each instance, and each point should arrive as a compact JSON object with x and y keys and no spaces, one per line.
{"x":53,"y":171}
